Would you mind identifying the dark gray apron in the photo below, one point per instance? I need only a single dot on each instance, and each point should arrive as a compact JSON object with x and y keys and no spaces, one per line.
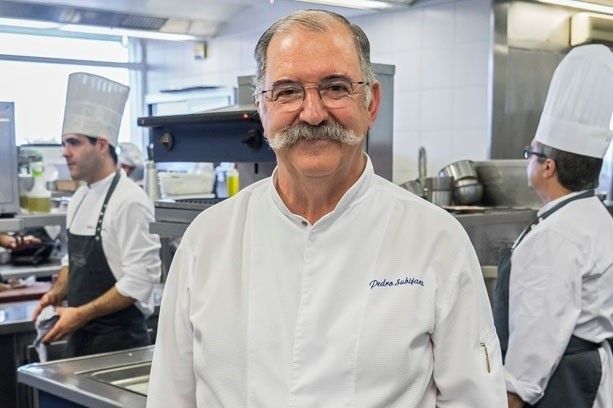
{"x":575,"y":381}
{"x":90,"y":277}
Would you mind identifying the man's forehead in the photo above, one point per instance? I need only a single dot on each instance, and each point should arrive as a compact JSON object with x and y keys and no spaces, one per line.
{"x":72,"y":136}
{"x":333,"y":33}
{"x":302,"y":49}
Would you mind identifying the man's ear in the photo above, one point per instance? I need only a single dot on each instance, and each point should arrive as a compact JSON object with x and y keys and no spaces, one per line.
{"x":375,"y":102}
{"x":103,"y":144}
{"x":551,"y":169}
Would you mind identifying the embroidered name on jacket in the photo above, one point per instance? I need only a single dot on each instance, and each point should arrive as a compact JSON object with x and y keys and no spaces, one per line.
{"x":375,"y":283}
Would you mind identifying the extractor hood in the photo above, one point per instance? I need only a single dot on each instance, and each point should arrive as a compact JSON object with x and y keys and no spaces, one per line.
{"x":72,"y":15}
{"x":591,"y":28}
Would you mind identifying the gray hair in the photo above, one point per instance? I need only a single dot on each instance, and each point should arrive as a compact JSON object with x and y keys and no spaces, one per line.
{"x":314,"y":20}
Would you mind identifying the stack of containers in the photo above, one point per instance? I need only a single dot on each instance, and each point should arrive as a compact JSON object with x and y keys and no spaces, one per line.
{"x":467,"y":189}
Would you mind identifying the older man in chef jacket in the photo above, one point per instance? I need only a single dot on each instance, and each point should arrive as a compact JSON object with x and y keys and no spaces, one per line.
{"x":324,"y":285}
{"x":113,"y":261}
{"x":554,"y":295}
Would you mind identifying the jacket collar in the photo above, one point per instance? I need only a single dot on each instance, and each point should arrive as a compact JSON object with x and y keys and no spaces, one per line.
{"x":351,"y":196}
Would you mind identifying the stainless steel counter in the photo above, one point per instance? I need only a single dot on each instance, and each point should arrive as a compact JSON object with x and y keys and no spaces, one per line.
{"x":98,"y":381}
{"x":17,"y":317}
{"x":491,"y":230}
{"x":44,"y":270}
{"x":16,"y":333}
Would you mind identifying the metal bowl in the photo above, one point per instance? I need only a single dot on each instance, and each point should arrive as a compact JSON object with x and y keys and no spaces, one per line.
{"x":467,"y":191}
{"x":459,"y":170}
{"x":414,"y":186}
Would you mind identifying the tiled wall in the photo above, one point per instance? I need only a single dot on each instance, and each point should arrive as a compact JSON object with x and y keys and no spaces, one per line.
{"x":442,"y":51}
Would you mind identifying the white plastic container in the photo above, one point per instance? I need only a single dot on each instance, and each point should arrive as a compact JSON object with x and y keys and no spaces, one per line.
{"x":178,"y":184}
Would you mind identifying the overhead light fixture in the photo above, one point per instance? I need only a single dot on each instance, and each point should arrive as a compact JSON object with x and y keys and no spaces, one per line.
{"x":355,"y":4}
{"x":583,"y":5}
{"x":151,"y":35}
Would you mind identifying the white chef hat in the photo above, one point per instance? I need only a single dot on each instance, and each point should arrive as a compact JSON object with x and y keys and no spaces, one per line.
{"x":129,"y":154}
{"x":577,"y":113}
{"x":94,"y":106}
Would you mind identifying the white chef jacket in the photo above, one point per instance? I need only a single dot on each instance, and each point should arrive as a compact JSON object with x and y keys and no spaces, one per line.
{"x":131,"y":251}
{"x":561,"y":284}
{"x":380,"y":303}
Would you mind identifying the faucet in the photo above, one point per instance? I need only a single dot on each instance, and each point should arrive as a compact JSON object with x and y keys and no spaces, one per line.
{"x":421,"y":163}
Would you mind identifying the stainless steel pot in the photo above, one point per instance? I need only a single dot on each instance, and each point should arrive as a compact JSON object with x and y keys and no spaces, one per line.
{"x":459,"y":170}
{"x":438,"y":190}
{"x":438,"y":183}
{"x":442,"y":198}
{"x":467,"y":191}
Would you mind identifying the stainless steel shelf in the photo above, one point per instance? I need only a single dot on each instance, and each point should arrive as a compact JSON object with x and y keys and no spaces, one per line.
{"x":39,"y":271}
{"x":19,"y":222}
{"x":10,"y":224}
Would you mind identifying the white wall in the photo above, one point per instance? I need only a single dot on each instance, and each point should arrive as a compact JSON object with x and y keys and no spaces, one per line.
{"x":442,"y":51}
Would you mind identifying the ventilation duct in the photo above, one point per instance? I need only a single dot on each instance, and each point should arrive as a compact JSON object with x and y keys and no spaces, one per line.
{"x":591,"y":28}
{"x":71,"y":15}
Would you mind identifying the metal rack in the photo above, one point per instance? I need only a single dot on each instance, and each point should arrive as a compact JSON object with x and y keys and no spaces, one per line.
{"x":173,"y":217}
{"x":19,"y":222}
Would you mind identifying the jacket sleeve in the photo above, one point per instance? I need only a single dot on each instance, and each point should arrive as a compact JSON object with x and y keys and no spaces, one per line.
{"x":172,"y":383}
{"x":544,"y":307}
{"x":467,"y":360}
{"x":139,"y":249}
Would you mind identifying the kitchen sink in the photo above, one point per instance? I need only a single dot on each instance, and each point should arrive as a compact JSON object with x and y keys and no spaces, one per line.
{"x":133,"y":377}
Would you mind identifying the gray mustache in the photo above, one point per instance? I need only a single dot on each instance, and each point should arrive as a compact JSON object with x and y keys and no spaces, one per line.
{"x":304,"y":131}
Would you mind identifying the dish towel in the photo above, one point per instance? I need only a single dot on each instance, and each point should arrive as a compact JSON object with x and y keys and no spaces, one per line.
{"x":44,"y":322}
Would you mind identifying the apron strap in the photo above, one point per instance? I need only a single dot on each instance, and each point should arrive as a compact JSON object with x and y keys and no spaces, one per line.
{"x":109,"y":193}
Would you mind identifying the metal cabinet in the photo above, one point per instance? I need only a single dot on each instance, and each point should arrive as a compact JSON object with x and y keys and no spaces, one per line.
{"x":9,"y":188}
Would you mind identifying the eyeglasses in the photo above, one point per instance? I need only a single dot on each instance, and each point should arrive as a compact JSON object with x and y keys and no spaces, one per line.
{"x":529,"y":152}
{"x":334,"y":93}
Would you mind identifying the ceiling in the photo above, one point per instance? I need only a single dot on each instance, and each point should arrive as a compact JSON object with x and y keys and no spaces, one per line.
{"x":213,"y":10}
{"x":198,"y":17}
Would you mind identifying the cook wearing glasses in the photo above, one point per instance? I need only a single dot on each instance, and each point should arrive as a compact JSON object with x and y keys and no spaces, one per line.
{"x":554,"y":292}
{"x":324,"y":285}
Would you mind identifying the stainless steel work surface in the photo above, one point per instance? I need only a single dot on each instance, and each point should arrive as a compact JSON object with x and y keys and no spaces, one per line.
{"x":116,"y":379}
{"x":132,"y":377}
{"x":493,"y":229}
{"x":16,"y":317}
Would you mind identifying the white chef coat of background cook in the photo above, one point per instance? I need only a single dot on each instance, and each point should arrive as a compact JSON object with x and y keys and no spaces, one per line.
{"x":561,"y":284}
{"x":262,"y":309}
{"x":131,"y":251}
